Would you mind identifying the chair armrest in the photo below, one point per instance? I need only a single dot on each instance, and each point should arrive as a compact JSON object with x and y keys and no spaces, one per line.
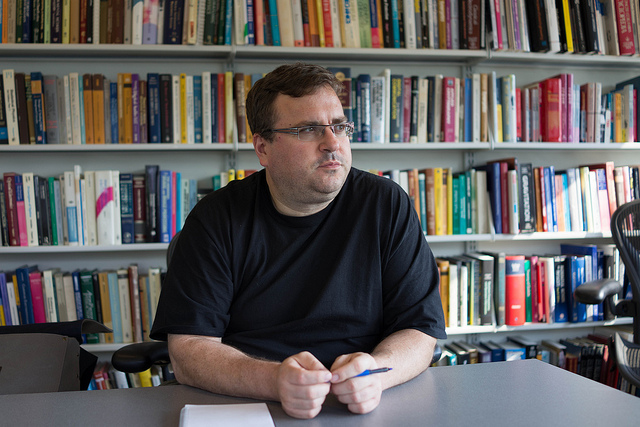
{"x":596,"y":291}
{"x":437,"y":354}
{"x":141,"y":356}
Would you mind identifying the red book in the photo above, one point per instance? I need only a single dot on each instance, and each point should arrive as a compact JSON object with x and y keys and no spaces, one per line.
{"x":448,"y":109}
{"x":11,"y":207}
{"x":514,"y":290}
{"x":258,"y":22}
{"x":519,"y":115}
{"x":498,"y":28}
{"x":625,"y":28}
{"x":406,"y":108}
{"x":326,"y":19}
{"x":37,"y":297}
{"x":535,"y":314}
{"x":376,"y":30}
{"x":551,"y":114}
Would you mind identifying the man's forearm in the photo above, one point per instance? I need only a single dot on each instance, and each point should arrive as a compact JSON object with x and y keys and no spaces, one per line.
{"x":207,"y":363}
{"x":408,"y":352}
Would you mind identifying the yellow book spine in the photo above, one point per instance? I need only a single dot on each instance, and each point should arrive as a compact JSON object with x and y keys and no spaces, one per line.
{"x":128,"y":109}
{"x":567,"y":25}
{"x":229,"y":114}
{"x":320,"y":23}
{"x":443,"y":268}
{"x":98,"y":109}
{"x":240,"y":174}
{"x":66,"y":21}
{"x":438,"y":189}
{"x":145,"y":378}
{"x":183,"y":108}
{"x":247,"y":88}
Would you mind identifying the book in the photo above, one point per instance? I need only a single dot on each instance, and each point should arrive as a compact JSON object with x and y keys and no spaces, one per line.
{"x":514,"y":290}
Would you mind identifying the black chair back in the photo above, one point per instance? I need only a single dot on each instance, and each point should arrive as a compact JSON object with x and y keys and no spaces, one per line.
{"x":625,"y":230}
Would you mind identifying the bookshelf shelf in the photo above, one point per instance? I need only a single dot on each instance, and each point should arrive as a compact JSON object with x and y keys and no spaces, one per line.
{"x":136,"y":247}
{"x":353,"y":55}
{"x":92,"y":148}
{"x":113,"y":51}
{"x":556,"y":60}
{"x":492,"y":329}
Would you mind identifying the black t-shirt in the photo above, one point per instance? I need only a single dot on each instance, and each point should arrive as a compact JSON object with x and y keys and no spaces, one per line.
{"x":331,"y":283}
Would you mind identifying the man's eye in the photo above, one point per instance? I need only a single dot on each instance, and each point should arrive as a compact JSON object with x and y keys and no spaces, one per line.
{"x":340,"y":128}
{"x":308,"y":129}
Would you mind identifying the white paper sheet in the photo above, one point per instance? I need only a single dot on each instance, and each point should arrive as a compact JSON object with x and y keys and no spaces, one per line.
{"x":242,"y":414}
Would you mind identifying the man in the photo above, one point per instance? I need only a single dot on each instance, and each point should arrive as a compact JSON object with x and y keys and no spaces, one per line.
{"x":289,"y":283}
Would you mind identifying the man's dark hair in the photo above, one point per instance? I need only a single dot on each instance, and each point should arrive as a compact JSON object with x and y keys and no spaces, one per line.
{"x":295,"y":80}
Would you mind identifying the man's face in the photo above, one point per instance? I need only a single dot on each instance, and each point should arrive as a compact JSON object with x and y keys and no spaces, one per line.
{"x":304,"y":177}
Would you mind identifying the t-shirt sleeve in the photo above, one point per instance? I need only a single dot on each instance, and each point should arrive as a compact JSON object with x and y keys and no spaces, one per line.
{"x":197,"y":290}
{"x":410,"y":277}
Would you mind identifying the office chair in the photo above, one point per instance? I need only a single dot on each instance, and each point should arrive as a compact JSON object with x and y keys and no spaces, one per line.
{"x":625,"y":230}
{"x":138,"y":357}
{"x":45,"y":357}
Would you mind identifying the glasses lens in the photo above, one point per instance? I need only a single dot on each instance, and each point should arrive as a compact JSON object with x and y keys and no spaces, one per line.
{"x":310,"y":133}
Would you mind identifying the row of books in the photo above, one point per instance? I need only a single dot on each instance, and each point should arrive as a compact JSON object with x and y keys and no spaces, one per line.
{"x":133,"y":22}
{"x":123,"y":299}
{"x":106,"y":377}
{"x":483,"y":107}
{"x":603,"y":27}
{"x":584,"y":26}
{"x":92,"y":109}
{"x":92,"y":208}
{"x":210,"y":107}
{"x":495,"y":288}
{"x":590,"y":356}
{"x":507,"y":197}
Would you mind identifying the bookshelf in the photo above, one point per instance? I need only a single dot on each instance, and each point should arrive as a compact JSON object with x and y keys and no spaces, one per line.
{"x":202,"y":161}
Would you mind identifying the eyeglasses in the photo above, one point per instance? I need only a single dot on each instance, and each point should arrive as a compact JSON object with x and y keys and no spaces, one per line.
{"x":316,"y":132}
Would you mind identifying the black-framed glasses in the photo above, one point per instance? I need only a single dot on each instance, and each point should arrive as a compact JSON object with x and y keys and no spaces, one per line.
{"x":316,"y":132}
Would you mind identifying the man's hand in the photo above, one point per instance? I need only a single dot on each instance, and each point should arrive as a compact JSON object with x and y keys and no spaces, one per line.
{"x":303,"y":384}
{"x":362,"y":394}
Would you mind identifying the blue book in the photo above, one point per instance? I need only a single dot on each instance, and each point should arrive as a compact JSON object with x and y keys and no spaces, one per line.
{"x":113,"y":108}
{"x":356,"y":100}
{"x":455,"y":195}
{"x":197,"y":108}
{"x":561,"y":310}
{"x":275,"y":29}
{"x":464,"y":212}
{"x":135,"y":107}
{"x":27,"y":18}
{"x":24,"y":293}
{"x":250,"y":37}
{"x":126,"y":208}
{"x":565,"y":197}
{"x":494,"y":186}
{"x":395,"y":24}
{"x":554,"y":206}
{"x":4,"y":132}
{"x":228,"y":18}
{"x":179,"y":201}
{"x":364,"y":107}
{"x":153,"y":111}
{"x":4,"y":299}
{"x":165,"y":203}
{"x":77,"y":294}
{"x":468,"y":110}
{"x":422,"y":191}
{"x":575,"y":272}
{"x":214,"y":107}
{"x":549,"y":199}
{"x":114,"y":300}
{"x":37,"y":93}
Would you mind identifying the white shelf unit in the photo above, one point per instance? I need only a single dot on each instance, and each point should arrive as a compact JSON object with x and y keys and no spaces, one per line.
{"x":203,"y":161}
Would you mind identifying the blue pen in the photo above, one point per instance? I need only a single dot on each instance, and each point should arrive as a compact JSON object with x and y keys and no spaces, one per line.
{"x":372,"y":371}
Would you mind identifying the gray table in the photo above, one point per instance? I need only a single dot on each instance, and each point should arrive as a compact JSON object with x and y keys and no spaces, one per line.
{"x":522,"y":393}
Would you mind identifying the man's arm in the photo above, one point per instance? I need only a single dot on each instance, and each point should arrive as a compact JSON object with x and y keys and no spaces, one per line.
{"x":300,"y":382}
{"x":408,"y":352}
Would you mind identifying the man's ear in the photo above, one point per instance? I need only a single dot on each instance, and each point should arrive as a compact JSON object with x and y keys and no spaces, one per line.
{"x":260,"y":146}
